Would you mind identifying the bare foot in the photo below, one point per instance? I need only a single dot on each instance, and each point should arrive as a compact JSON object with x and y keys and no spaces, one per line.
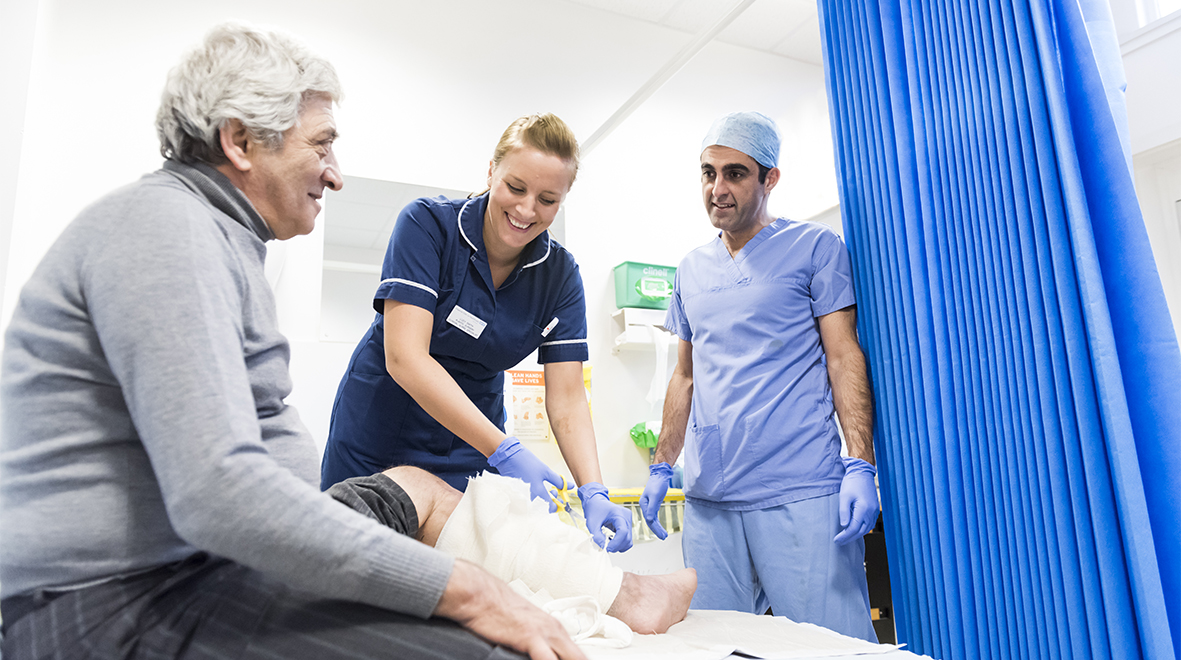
{"x":650,"y":604}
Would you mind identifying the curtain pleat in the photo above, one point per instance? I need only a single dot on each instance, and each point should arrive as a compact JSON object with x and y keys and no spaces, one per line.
{"x":1025,"y":370}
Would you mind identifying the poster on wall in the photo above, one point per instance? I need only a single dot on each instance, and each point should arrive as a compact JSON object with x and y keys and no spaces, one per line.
{"x":524,"y":399}
{"x":526,"y":409}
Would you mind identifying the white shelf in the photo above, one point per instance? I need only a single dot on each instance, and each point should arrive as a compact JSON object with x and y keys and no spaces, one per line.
{"x":635,"y":329}
{"x":639,"y":316}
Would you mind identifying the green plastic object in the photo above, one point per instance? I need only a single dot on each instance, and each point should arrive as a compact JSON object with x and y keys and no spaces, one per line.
{"x":643,"y":285}
{"x":643,"y":436}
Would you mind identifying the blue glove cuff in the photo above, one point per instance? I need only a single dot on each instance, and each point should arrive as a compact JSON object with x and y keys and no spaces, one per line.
{"x":589,"y":490}
{"x":661,"y":469}
{"x":856,"y":465}
{"x":505,"y":451}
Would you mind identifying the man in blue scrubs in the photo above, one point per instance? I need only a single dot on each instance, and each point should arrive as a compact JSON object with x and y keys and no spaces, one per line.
{"x":768,"y":349}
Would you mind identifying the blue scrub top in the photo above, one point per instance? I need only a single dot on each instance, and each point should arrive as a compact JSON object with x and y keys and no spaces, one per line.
{"x":761,"y":428}
{"x":436,"y":260}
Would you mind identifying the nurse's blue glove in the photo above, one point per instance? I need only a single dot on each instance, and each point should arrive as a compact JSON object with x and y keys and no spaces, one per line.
{"x":601,"y":512}
{"x":858,"y":501}
{"x":659,"y":476}
{"x":513,"y":460}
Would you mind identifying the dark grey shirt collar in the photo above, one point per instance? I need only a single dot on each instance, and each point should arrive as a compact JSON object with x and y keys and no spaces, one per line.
{"x":206,"y":181}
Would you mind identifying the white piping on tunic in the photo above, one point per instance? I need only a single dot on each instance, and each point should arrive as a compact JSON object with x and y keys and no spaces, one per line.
{"x":398,"y":280}
{"x":543,"y":257}
{"x":459,"y":221}
{"x":564,"y":341}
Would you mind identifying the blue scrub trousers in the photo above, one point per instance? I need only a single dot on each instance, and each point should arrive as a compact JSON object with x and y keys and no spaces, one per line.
{"x":783,"y":557}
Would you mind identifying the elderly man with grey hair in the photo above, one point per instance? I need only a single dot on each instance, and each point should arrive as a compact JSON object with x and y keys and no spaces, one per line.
{"x":157,"y":496}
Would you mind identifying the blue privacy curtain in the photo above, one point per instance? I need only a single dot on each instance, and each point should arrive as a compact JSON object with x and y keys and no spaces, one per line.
{"x":1025,"y":367}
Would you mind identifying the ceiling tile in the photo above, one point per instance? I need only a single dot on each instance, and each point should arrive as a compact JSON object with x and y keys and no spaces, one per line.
{"x":765,"y":23}
{"x":803,"y":44}
{"x":645,"y":10}
{"x":693,"y":16}
{"x":769,"y":25}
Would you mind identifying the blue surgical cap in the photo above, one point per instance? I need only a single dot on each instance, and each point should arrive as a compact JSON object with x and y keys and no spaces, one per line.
{"x":751,"y":133}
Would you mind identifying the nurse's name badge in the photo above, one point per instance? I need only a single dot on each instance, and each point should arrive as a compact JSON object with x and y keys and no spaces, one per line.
{"x":466,"y":321}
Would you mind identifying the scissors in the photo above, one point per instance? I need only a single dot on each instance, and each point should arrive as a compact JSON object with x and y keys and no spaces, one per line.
{"x":561,"y":498}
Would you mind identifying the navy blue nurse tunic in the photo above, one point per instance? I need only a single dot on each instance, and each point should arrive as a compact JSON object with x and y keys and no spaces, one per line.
{"x":437,"y":261}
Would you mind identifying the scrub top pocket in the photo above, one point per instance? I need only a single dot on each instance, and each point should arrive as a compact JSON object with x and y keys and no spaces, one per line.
{"x":703,"y":463}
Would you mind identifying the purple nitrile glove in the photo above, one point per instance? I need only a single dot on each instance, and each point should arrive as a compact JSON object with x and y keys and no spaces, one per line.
{"x":601,"y":512}
{"x":659,"y":477}
{"x":512,"y":460}
{"x":858,"y":501}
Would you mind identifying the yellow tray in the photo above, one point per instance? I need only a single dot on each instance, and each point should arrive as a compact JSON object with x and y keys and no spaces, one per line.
{"x":632,"y":495}
{"x":671,"y":513}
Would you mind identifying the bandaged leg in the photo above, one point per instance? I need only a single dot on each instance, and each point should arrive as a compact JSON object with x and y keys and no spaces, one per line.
{"x":644,"y":603}
{"x":497,"y":526}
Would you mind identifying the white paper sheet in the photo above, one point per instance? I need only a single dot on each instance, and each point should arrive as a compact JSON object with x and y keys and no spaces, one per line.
{"x":716,"y":634}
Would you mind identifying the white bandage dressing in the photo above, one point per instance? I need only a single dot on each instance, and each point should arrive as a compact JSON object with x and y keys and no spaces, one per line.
{"x":498,"y":527}
{"x":581,"y":616}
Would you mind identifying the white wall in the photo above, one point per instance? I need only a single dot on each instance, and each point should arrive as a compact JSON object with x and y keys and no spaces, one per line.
{"x":1152,"y":66}
{"x":429,"y":87}
{"x":639,"y":199}
{"x":1158,"y":186}
{"x":1151,"y":56}
{"x":16,"y":55}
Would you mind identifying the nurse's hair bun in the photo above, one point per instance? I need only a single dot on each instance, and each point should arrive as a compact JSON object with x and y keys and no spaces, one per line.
{"x":546,"y":133}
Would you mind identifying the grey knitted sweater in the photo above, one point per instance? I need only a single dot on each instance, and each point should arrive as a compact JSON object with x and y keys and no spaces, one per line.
{"x":142,"y":391}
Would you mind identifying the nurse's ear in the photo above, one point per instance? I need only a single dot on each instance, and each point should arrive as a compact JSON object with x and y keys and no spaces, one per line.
{"x":491,"y":166}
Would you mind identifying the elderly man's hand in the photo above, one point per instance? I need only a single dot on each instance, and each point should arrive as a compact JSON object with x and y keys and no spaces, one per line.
{"x":488,"y":607}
